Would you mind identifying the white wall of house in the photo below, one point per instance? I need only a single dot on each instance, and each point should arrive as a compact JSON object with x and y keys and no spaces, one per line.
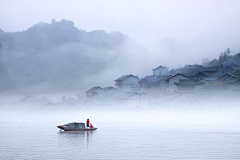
{"x":163,"y":86}
{"x":160,"y":71}
{"x":109,"y":94}
{"x":171,"y":84}
{"x":156,"y":89}
{"x":129,"y":82}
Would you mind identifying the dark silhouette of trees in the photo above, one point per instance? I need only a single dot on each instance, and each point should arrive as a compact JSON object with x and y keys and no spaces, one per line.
{"x":224,"y":56}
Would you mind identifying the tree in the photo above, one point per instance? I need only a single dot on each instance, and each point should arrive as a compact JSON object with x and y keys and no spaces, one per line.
{"x":224,"y":55}
{"x":53,"y":20}
{"x":228,"y":51}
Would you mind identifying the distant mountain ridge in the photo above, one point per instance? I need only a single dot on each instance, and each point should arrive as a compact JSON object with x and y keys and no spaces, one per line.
{"x":59,"y":54}
{"x":44,"y":36}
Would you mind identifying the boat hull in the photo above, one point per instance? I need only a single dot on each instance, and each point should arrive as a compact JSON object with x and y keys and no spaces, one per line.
{"x":67,"y":129}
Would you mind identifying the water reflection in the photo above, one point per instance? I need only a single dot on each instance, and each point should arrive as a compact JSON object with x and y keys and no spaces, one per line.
{"x":75,"y":138}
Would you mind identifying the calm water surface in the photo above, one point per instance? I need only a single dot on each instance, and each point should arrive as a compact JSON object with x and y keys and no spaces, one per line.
{"x":38,"y":140}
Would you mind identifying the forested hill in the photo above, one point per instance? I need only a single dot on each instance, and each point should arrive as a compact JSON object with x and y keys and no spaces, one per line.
{"x":44,"y":36}
{"x":59,"y":55}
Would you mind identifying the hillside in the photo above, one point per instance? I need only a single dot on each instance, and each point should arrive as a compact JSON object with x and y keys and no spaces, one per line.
{"x":60,"y":56}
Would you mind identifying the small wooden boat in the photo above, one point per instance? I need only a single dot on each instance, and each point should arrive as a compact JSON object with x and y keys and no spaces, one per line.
{"x":75,"y":126}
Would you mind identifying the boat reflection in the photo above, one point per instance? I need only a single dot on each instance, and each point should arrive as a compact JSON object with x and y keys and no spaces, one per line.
{"x":77,"y":138}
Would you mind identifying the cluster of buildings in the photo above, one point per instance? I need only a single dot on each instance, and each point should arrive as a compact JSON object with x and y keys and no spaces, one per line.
{"x":130,"y":89}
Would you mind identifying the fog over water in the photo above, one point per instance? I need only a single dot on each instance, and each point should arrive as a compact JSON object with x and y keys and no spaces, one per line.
{"x":203,"y":133}
{"x":174,"y":116}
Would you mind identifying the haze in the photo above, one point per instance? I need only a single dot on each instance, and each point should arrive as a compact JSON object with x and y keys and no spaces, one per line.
{"x":159,"y":79}
{"x":198,"y":29}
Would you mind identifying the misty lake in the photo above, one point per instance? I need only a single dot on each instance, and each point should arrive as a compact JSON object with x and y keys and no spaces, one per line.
{"x":34,"y":135}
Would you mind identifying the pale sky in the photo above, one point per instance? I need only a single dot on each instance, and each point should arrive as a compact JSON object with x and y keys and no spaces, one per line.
{"x":206,"y":27}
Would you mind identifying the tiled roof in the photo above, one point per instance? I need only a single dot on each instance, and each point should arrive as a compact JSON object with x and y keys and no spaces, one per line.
{"x":145,"y":79}
{"x":232,"y":80}
{"x":93,"y":89}
{"x":125,"y":76}
{"x":107,"y":88}
{"x":127,"y":95}
{"x":194,"y":67}
{"x":176,"y":75}
{"x":159,"y":67}
{"x":209,"y":79}
{"x":158,"y":78}
{"x":214,"y":68}
{"x":226,"y":75}
{"x":173,"y":71}
{"x":233,"y":65}
{"x":217,"y":74}
{"x":188,"y":82}
{"x":153,"y":79}
{"x":229,"y":67}
{"x":130,"y":94}
{"x":191,"y":74}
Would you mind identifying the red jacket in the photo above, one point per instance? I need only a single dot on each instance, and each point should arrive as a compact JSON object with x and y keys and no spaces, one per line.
{"x":88,"y":122}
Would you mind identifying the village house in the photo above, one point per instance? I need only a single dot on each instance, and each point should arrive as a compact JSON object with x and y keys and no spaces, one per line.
{"x":132,"y":91}
{"x":233,"y":65}
{"x":192,"y":68}
{"x":230,"y":68}
{"x":127,"y":82}
{"x":172,"y":79}
{"x":102,"y":94}
{"x":133,"y":99}
{"x":91,"y":92}
{"x":199,"y":72}
{"x":188,"y":85}
{"x":213,"y":62}
{"x":209,"y":71}
{"x":225,"y":76}
{"x":160,"y":71}
{"x":234,"y":81}
{"x":154,"y":85}
{"x":143,"y":82}
{"x":195,"y":75}
{"x":172,"y":72}
{"x":107,"y":94}
{"x":208,"y":79}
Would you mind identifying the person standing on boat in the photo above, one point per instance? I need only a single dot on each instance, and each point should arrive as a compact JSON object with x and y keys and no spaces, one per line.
{"x":88,"y":123}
